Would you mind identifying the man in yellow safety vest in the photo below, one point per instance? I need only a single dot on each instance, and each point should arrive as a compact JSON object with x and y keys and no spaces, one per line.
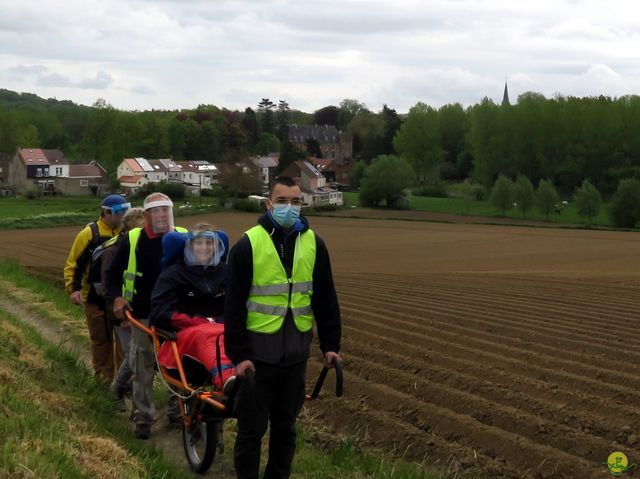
{"x":130,"y":279}
{"x":279,"y":280}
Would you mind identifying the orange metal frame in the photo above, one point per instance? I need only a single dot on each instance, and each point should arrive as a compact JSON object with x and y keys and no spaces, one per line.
{"x":206,"y":396}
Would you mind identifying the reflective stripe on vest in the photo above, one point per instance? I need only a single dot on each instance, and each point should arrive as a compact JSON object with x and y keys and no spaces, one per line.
{"x":272,"y":293}
{"x":131,"y":273}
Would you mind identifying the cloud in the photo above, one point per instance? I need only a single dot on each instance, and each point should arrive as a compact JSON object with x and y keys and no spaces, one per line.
{"x":44,"y":77}
{"x":142,"y":89}
{"x":28,"y":69}
{"x":101,"y":81}
{"x":53,"y":80}
{"x":174,"y":54}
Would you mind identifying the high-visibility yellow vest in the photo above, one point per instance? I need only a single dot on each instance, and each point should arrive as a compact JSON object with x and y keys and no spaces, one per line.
{"x":131,"y":273}
{"x":272,"y":293}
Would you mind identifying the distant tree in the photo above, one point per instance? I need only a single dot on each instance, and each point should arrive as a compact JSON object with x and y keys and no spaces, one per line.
{"x":250,"y":124}
{"x":468,"y":192}
{"x":327,"y":115}
{"x":392,"y":123}
{"x":313,"y":147}
{"x":625,"y":204}
{"x":453,"y":125}
{"x":283,"y":120}
{"x":349,"y":109}
{"x":502,"y":194}
{"x":356,"y":173}
{"x":205,"y":144}
{"x":588,"y":201}
{"x":266,"y":107}
{"x":385,"y":180}
{"x":524,"y":194}
{"x":268,"y":143}
{"x":369,"y":129}
{"x":288,"y":154}
{"x":546,"y":197}
{"x":175,"y":191}
{"x":29,"y":137}
{"x":234,"y":137}
{"x":98,"y":139}
{"x":419,"y":141}
{"x":241,"y":180}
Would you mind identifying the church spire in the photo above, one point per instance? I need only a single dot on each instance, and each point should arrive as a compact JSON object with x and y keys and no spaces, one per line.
{"x":505,"y":95}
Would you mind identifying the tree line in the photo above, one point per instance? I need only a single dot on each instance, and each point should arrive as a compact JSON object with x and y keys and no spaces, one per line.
{"x":565,"y":140}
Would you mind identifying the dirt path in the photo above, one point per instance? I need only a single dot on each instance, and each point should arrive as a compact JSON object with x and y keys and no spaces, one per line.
{"x":169,"y":441}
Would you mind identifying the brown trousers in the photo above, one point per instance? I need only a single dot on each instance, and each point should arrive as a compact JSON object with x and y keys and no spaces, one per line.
{"x":106,"y":353}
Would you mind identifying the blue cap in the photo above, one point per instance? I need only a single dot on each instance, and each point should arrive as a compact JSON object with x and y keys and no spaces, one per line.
{"x":113,"y":200}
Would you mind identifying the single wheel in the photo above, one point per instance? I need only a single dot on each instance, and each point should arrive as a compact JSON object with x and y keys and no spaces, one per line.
{"x":200,"y":441}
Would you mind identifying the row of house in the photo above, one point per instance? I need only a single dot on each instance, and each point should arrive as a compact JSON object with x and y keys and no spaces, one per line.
{"x":313,"y":176}
{"x":48,"y":172}
{"x":133,"y":173}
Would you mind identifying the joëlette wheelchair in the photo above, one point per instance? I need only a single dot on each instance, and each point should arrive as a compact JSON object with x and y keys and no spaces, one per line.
{"x":203,"y":408}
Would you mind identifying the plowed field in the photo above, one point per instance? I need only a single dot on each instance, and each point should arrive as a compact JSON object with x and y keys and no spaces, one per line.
{"x":509,"y":351}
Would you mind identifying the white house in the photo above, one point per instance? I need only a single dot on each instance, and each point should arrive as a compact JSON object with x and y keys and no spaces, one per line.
{"x":195,"y":175}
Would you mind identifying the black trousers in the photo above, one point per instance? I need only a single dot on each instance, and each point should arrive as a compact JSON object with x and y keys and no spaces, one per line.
{"x":277,"y":399}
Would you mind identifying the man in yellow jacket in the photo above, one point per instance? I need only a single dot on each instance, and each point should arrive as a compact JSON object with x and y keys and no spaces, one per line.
{"x":79,"y":283}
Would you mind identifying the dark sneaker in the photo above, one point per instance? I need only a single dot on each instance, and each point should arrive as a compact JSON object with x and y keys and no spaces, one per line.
{"x":142,"y":431}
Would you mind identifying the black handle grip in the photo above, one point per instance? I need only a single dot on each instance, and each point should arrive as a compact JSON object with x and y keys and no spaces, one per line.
{"x":170,"y":335}
{"x":337,"y":365}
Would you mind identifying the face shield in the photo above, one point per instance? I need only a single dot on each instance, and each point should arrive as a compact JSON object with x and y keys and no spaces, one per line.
{"x":203,"y":248}
{"x":160,"y":215}
{"x":120,"y":209}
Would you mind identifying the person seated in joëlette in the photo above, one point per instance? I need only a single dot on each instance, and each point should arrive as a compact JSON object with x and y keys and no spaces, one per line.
{"x":188,"y":298}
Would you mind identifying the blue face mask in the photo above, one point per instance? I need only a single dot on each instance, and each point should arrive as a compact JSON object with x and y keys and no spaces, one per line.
{"x":285,"y":215}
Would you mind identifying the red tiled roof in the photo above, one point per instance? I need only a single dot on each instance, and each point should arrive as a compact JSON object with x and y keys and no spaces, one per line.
{"x":84,"y":171}
{"x":55,"y":157}
{"x":133,"y":164}
{"x":322,"y":163}
{"x":33,"y":156}
{"x":129,"y":179}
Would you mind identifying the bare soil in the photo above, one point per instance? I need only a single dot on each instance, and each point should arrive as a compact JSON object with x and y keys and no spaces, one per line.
{"x":511,"y":351}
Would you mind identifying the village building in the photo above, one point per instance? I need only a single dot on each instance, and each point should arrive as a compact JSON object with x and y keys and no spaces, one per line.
{"x":48,"y":172}
{"x":133,"y":173}
{"x":313,"y":185}
{"x":331,"y":142}
{"x":267,"y":165}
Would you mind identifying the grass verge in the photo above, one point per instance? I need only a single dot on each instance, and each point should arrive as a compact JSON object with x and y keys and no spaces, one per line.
{"x":22,"y":213}
{"x":56,"y":421}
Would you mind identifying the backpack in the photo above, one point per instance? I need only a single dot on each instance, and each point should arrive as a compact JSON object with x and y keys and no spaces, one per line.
{"x":96,"y":266}
{"x":84,"y":261}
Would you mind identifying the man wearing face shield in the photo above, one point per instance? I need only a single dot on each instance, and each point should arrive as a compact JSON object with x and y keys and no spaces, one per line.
{"x":79,"y":281}
{"x":129,"y":282}
{"x":279,"y":281}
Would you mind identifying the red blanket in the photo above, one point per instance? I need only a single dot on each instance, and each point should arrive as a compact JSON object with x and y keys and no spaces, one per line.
{"x":200,"y":343}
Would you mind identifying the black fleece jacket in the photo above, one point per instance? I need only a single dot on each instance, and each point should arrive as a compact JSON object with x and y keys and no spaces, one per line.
{"x":190,"y":290}
{"x":288,"y":345}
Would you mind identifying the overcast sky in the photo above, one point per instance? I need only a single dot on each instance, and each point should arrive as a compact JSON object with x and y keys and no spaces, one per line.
{"x":143,"y":54}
